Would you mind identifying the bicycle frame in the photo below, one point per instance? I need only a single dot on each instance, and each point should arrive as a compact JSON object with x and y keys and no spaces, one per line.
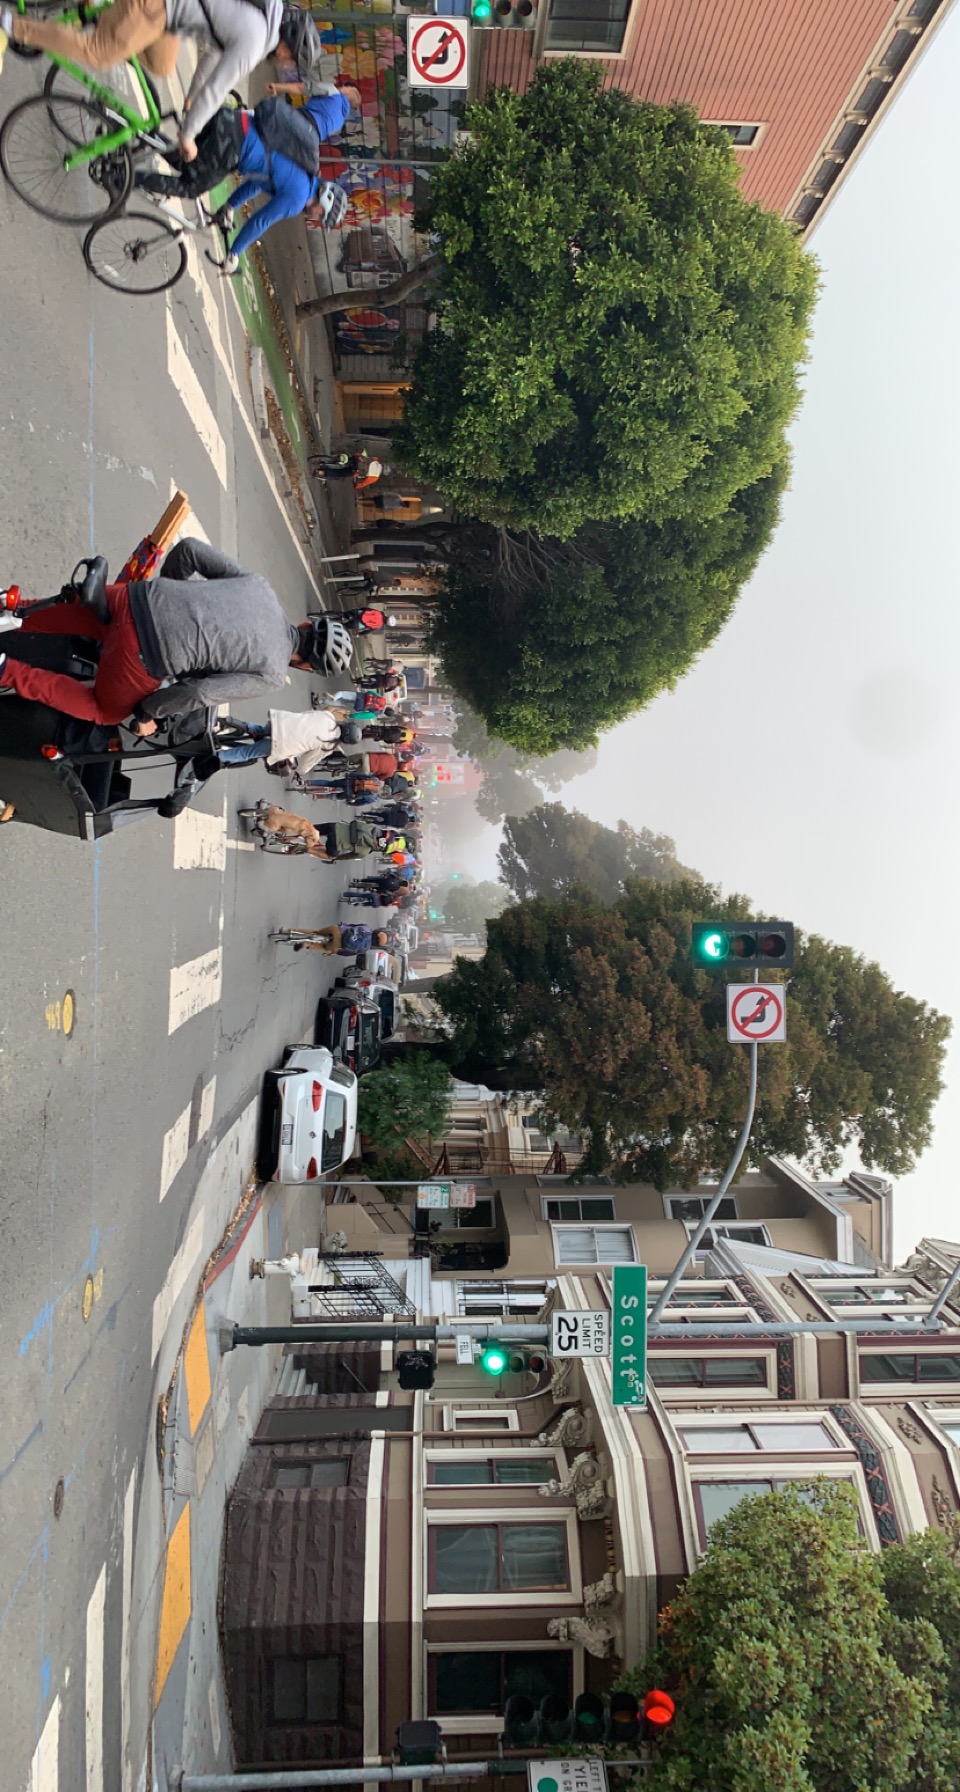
{"x":130,"y":123}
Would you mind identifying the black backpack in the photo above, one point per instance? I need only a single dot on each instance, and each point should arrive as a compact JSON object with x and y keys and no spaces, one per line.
{"x":288,"y":131}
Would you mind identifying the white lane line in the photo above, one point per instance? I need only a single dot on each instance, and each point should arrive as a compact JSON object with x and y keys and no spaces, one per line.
{"x":176,"y":1142}
{"x":241,"y":845}
{"x":195,"y":401}
{"x":185,"y":1267}
{"x":129,"y":1509}
{"x":94,"y":1684}
{"x":44,"y":1768}
{"x":194,"y":986}
{"x":199,"y":842}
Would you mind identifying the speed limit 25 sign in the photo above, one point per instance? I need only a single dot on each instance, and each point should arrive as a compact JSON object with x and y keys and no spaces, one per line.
{"x":580,"y":1334}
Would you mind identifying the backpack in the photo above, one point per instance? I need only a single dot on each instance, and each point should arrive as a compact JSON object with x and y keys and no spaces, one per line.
{"x":287,"y":131}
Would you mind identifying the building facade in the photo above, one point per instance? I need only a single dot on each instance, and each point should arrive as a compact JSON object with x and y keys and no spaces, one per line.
{"x":393,"y":1555}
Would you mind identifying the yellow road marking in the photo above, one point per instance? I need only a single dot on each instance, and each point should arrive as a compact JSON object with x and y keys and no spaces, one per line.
{"x":196,"y":1366}
{"x":175,"y":1611}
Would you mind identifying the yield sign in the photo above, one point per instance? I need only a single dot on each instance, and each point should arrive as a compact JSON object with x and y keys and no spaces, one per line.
{"x":756,"y":1013}
{"x":437,"y":53}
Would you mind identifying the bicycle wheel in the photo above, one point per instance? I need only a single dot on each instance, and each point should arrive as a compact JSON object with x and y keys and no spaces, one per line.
{"x":34,"y":140}
{"x":136,"y":253}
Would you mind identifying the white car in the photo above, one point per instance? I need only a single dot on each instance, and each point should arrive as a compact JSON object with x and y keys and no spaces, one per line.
{"x":309,"y":1120}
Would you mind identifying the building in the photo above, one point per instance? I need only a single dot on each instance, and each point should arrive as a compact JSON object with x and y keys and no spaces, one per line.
{"x":393,"y":1555}
{"x":800,"y":89}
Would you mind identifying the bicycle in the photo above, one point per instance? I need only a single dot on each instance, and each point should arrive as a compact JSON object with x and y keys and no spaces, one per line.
{"x":268,"y":841}
{"x":69,"y":154}
{"x":140,"y":253}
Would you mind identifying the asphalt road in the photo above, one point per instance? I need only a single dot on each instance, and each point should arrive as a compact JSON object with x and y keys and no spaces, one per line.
{"x":180,"y":1002}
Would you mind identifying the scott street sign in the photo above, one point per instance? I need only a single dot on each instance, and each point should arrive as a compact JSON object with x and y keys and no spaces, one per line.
{"x":629,"y":1363}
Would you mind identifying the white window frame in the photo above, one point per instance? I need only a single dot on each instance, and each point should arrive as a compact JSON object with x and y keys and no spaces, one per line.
{"x":543,"y":1597}
{"x":732,"y":1229}
{"x":490,"y":1455}
{"x":829,"y":1469}
{"x":473,"y":1723}
{"x":727,"y":1396}
{"x":713,"y":1421}
{"x":510,"y":1295}
{"x":672,"y":1202}
{"x":730,"y":124}
{"x":546,"y":1199}
{"x":596,"y":1262}
{"x":919,"y":1304}
{"x":942,"y":1416}
{"x":471,"y":1419}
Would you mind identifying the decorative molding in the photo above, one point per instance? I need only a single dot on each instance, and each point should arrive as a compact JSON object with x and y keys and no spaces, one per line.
{"x":587,"y":1479}
{"x":909,"y":1429}
{"x":786,"y":1369}
{"x":872,"y":1463}
{"x":599,"y":1636}
{"x":572,"y":1430}
{"x":603,"y":1592}
{"x":752,"y":1297}
{"x":942,"y":1504}
{"x":561,"y":1379}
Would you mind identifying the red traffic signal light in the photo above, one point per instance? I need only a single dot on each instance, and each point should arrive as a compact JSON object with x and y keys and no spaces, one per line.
{"x":658,"y":1710}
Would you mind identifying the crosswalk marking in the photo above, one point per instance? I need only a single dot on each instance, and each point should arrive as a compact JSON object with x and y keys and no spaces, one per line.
{"x":193,"y":987}
{"x":176,"y":1140}
{"x":44,"y":1768}
{"x":199,"y":842}
{"x":94,"y":1684}
{"x":195,"y":401}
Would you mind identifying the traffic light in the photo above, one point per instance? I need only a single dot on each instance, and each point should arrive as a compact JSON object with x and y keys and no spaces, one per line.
{"x":415,"y":1369}
{"x":521,"y":1722}
{"x":658,"y":1712}
{"x":556,"y":1719}
{"x":518,"y":15}
{"x":418,"y":1742}
{"x":589,"y":1717}
{"x":510,"y":1359}
{"x":493,"y":1359}
{"x":758,"y":945}
{"x":480,"y":11}
{"x":624,"y":1720}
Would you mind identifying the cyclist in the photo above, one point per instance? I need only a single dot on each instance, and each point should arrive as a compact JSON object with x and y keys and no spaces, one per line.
{"x":171,"y":644}
{"x":234,"y":35}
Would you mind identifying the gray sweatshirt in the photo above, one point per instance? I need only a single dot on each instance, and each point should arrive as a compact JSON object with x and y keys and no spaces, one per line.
{"x":217,"y":637}
{"x":235,"y":34}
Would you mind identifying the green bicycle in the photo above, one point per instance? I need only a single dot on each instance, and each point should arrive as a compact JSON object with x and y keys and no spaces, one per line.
{"x":68,"y":152}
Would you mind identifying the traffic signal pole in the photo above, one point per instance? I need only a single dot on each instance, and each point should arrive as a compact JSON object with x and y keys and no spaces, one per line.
{"x":291,"y":1778}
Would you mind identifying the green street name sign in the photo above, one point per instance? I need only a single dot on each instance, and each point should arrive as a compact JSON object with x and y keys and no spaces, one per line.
{"x":629,"y":1353}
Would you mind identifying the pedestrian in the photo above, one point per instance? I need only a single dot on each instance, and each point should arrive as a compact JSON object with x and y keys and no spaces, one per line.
{"x":233,"y":35}
{"x":355,"y":788}
{"x":173,"y":644}
{"x":396,"y":815}
{"x":301,"y":738}
{"x":346,"y":941}
{"x":369,"y":898}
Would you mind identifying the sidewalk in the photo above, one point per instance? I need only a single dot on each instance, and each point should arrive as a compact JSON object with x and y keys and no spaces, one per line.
{"x":207,"y":1413}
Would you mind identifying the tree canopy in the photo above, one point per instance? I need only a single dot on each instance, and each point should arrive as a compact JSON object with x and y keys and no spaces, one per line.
{"x":548,"y":851}
{"x":404,"y":1098}
{"x":801,"y":1662}
{"x":602,"y":1009}
{"x":619,"y":331}
{"x":551,"y":641}
{"x":467,"y":906}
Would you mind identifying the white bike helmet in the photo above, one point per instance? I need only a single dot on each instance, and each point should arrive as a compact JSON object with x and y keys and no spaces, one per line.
{"x":328,"y":646}
{"x":333,"y":201}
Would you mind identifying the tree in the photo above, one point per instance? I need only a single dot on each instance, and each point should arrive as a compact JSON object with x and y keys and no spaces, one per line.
{"x":551,"y":849}
{"x":797,"y":1664}
{"x":554,"y":641}
{"x":602,"y":1008}
{"x":618,"y":330}
{"x":407,"y":1097}
{"x":326,"y":304}
{"x":467,"y":907}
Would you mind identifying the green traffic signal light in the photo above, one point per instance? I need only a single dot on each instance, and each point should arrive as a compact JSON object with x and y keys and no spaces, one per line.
{"x":715,"y":946}
{"x":493,"y":1360}
{"x":480,"y":10}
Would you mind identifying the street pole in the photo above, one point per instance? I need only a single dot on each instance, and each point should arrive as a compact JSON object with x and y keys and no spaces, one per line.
{"x":293,"y":1778}
{"x":728,"y":1176}
{"x":487,"y":1331}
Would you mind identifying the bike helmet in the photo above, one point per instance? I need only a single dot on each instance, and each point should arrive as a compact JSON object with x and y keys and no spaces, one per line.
{"x":301,"y":37}
{"x":327,"y":646}
{"x":351,"y":732}
{"x":333,"y":200}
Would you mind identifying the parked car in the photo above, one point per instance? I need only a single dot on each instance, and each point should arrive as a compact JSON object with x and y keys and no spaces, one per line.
{"x":308,"y":1123}
{"x":385,"y":995}
{"x":377,"y":964}
{"x":348,"y":1023}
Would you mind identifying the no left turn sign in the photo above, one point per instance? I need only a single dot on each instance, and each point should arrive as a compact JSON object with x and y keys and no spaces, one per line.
{"x":437,"y":53}
{"x":756,"y":1014}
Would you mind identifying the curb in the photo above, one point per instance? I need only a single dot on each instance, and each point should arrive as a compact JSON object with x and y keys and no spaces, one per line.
{"x":258,"y":388}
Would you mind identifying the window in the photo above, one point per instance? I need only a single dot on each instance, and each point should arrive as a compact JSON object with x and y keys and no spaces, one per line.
{"x":482,"y":1680}
{"x":578,"y":1208}
{"x":516,"y":1470}
{"x":498,"y":1558}
{"x":701,"y":1294}
{"x":744,"y":136}
{"x":497,"y":1300}
{"x":751,"y":1435}
{"x":322,"y":1471}
{"x":691,"y":1208}
{"x":334,"y":1130}
{"x":906,"y":1367}
{"x":592,"y":27}
{"x":899,"y":1299}
{"x":707,"y":1371}
{"x":745,"y":1233}
{"x":345,"y":1078}
{"x":480,"y":1216}
{"x":304,"y":1689}
{"x":714,"y":1499}
{"x":550,"y":1181}
{"x":594,"y":1244}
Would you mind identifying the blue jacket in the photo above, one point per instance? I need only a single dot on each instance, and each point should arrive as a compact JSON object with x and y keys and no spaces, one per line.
{"x":329,"y":112}
{"x":290,"y":189}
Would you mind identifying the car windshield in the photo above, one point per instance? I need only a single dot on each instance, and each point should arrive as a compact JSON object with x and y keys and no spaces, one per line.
{"x":369,"y":1032}
{"x":341,"y":1076}
{"x":334,"y":1130}
{"x":387,"y":1005}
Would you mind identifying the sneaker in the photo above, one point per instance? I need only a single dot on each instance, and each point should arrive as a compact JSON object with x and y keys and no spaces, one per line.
{"x":225,"y":216}
{"x":6,"y":690}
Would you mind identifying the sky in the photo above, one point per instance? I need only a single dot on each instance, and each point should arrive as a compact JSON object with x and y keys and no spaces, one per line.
{"x":811,"y":759}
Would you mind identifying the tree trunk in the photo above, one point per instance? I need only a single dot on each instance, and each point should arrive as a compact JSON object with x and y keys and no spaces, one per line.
{"x":325,"y":304}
